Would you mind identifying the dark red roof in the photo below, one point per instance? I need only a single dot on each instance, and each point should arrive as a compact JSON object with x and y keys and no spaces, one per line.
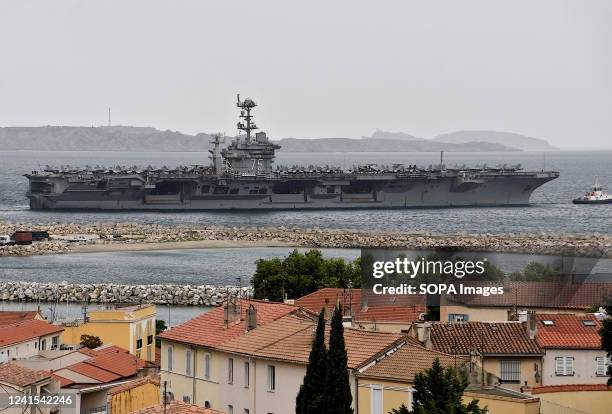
{"x":11,"y":373}
{"x":26,"y":331}
{"x":10,"y":317}
{"x":210,"y":329}
{"x":568,"y":331}
{"x":366,"y":308}
{"x":541,"y":294}
{"x":488,"y":338}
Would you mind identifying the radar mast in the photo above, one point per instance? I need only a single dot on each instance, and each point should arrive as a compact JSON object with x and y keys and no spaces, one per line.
{"x":245,"y":114}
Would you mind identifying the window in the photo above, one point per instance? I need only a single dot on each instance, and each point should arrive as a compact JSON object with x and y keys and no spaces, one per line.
{"x":247,"y":369}
{"x":169,"y":357}
{"x":149,"y":339}
{"x":564,"y":366}
{"x":54,"y":342}
{"x":43,"y":345}
{"x":138,"y":343}
{"x":188,"y":362}
{"x":207,"y":366}
{"x":511,"y":371}
{"x":246,"y":411}
{"x":548,"y":323}
{"x":271,"y":378}
{"x":377,"y":399}
{"x":588,"y":322}
{"x":230,"y":371}
{"x":458,"y":317}
{"x":187,"y":399}
{"x":230,"y":409}
{"x":601,"y":366}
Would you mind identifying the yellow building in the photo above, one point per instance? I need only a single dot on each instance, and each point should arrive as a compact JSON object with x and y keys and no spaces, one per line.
{"x":587,"y":398}
{"x":134,"y":395}
{"x":129,"y":327}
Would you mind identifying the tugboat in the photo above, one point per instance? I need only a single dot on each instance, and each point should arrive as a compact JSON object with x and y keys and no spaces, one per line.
{"x":595,"y":196}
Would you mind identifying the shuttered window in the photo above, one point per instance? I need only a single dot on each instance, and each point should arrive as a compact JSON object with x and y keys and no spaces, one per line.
{"x":511,"y":371}
{"x":601,"y":366}
{"x":564,"y":366}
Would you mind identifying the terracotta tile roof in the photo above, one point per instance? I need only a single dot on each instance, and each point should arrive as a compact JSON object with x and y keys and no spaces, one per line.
{"x":151,"y":379}
{"x":570,"y":388}
{"x":10,"y":317}
{"x":542,"y":294}
{"x":177,"y":407}
{"x":11,"y":373}
{"x":290,"y":339}
{"x":25,"y":331}
{"x":489,"y":338}
{"x":568,"y":331}
{"x":209,"y":328}
{"x":409,"y":360}
{"x":93,"y":372}
{"x":366,"y":308}
{"x":117,"y":361}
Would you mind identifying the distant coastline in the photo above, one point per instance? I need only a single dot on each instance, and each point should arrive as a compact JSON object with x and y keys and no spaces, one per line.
{"x":147,"y":139}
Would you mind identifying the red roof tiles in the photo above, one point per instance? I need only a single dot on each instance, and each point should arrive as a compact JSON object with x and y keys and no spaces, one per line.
{"x":93,"y":372}
{"x":290,"y":339}
{"x":10,"y":317}
{"x":26,"y":331}
{"x":366,"y":308}
{"x":568,"y":331}
{"x":489,"y":338}
{"x":210,"y":329}
{"x":570,"y":388}
{"x":11,"y":373}
{"x":177,"y":407}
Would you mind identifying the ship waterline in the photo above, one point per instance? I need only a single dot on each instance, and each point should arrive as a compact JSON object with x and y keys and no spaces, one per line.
{"x":241,"y":177}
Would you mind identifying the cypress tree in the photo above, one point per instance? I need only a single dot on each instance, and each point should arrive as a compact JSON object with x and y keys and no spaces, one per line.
{"x":337,"y":388}
{"x":310,"y":397}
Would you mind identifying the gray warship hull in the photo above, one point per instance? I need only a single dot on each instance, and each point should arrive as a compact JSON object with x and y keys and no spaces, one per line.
{"x":132,"y":192}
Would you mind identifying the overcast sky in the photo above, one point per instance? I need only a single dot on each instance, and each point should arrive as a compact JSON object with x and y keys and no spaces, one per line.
{"x":316,"y":68}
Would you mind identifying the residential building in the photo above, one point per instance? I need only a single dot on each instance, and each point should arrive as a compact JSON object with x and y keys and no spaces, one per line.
{"x":28,"y":337}
{"x":88,"y":374}
{"x":540,"y":297}
{"x":504,"y":353}
{"x":128,"y":327}
{"x":572,"y":346}
{"x":16,"y":380}
{"x":262,"y":370}
{"x":134,"y":395}
{"x":177,"y":407}
{"x":364,"y":311}
{"x":10,"y":317}
{"x":191,"y":365}
{"x":388,"y":383}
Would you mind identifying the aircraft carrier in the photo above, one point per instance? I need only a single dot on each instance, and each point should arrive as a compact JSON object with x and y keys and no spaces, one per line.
{"x":241,"y":176}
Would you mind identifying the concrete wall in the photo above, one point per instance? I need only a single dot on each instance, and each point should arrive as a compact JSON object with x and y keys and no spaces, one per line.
{"x":136,"y":398}
{"x":584,"y":367}
{"x":503,"y":405}
{"x":576,"y":402}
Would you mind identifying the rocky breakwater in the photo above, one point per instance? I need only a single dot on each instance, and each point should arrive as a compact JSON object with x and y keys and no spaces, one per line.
{"x":122,"y":235}
{"x":203,"y":295}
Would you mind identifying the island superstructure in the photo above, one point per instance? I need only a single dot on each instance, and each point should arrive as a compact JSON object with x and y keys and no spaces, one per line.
{"x":241,"y":176}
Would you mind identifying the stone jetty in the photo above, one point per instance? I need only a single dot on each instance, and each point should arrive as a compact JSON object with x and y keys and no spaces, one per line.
{"x":202,"y":295}
{"x":119,"y":236}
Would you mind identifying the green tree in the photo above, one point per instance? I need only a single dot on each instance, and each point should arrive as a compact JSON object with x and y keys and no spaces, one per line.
{"x":310,"y":397}
{"x":160,"y":326}
{"x":337,"y":388}
{"x":90,"y":341}
{"x":606,"y":339}
{"x":439,"y":391}
{"x":402,"y":409}
{"x":299,"y":274}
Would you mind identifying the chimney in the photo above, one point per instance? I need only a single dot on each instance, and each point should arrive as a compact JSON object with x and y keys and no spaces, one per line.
{"x":531,"y":324}
{"x":251,"y":318}
{"x":232,"y":313}
{"x":424,"y":334}
{"x":347,"y":321}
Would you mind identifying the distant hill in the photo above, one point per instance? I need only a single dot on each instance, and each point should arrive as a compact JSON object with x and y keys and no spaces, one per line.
{"x":384,"y":145}
{"x":496,"y":137}
{"x":146,"y":139}
{"x":113,"y":138}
